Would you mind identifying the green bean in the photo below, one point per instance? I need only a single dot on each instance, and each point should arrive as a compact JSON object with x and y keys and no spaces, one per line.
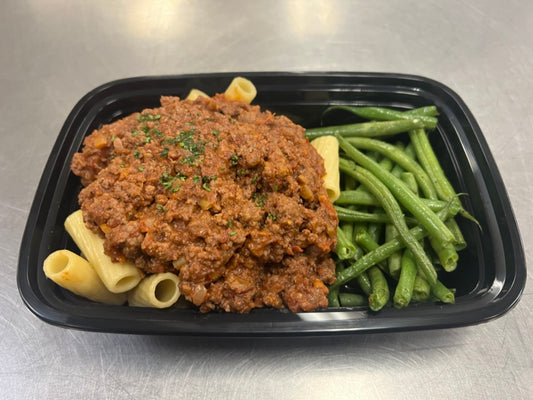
{"x":431,"y":164}
{"x":393,"y":210}
{"x":333,"y":297}
{"x":442,"y":292}
{"x":404,"y":288}
{"x":410,"y":181}
{"x":347,"y":227}
{"x":410,"y":152}
{"x":366,"y":129}
{"x":380,"y":289}
{"x":346,"y":214}
{"x":446,"y":253}
{"x":408,"y":199}
{"x":364,"y":283}
{"x":421,"y":289}
{"x":374,"y":231}
{"x":430,"y":111}
{"x":385,"y":114}
{"x":378,"y":255}
{"x":345,"y":247}
{"x":349,"y":183}
{"x":397,"y":171}
{"x":460,"y":242}
{"x":362,"y":279}
{"x":358,"y":197}
{"x":364,"y":198}
{"x":352,"y":300}
{"x":385,"y":163}
{"x":357,"y":227}
{"x":368,"y":241}
{"x":398,"y":156}
{"x":394,"y":261}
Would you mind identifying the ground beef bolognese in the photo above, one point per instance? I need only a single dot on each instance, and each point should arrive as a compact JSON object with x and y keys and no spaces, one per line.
{"x":225,"y":195}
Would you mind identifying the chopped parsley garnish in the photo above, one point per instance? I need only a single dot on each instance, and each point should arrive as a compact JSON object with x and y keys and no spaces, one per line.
{"x":156,"y":132}
{"x":272,"y":216}
{"x":181,"y":176}
{"x":206,"y":180}
{"x":137,"y":154}
{"x":140,"y":168}
{"x":168,"y":181}
{"x":234,"y":159}
{"x":186,"y":140}
{"x":148,"y":117}
{"x":233,"y":233}
{"x":192,"y":160}
{"x":161,"y":208}
{"x":164,"y":152}
{"x":259,"y":199}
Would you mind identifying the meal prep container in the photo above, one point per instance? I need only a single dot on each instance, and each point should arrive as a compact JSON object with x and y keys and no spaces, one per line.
{"x":489,"y":278}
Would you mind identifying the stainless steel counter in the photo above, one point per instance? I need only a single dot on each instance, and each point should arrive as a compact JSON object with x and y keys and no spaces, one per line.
{"x":53,"y":52}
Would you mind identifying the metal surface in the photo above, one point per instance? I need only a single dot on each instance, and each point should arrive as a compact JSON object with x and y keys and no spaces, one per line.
{"x":53,"y":52}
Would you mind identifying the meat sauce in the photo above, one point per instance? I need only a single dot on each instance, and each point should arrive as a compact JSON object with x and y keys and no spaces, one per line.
{"x":225,"y":195}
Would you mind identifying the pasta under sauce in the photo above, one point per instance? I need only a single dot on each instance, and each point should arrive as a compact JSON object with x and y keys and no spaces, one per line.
{"x":225,"y":195}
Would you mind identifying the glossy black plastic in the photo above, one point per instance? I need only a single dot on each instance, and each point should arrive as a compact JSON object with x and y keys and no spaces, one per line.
{"x":490,"y":276}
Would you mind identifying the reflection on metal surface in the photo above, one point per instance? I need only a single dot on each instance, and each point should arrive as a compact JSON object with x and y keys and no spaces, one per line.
{"x":156,"y":19}
{"x":322,"y":18}
{"x":332,"y":316}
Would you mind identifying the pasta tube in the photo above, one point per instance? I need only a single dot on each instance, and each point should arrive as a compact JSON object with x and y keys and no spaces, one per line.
{"x":328,"y":148}
{"x":117,"y":277}
{"x":74,"y":273}
{"x":194,"y":94}
{"x":241,"y":89}
{"x":157,"y":290}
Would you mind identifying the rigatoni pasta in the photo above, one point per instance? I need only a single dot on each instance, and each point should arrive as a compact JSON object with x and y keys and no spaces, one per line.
{"x":241,"y":89}
{"x":157,"y":290}
{"x":117,"y":277}
{"x":328,"y":148}
{"x":194,"y":94}
{"x":74,"y":273}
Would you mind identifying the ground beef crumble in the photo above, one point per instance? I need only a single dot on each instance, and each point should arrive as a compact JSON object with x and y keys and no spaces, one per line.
{"x":227,"y":196}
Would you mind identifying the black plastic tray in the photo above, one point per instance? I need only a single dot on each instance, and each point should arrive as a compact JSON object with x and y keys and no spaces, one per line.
{"x":490,"y":276}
